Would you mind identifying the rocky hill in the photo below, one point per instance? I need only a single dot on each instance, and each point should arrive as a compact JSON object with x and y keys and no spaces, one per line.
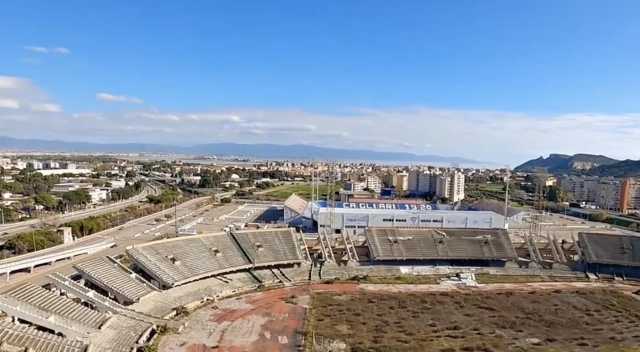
{"x":561,"y":163}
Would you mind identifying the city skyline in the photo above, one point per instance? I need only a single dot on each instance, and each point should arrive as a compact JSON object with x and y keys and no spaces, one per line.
{"x":495,"y":82}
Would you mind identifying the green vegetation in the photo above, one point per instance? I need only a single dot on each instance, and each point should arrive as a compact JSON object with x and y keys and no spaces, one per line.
{"x":301,"y":189}
{"x":46,"y":200}
{"x":32,"y":241}
{"x":168,"y":196}
{"x":75,"y":199}
{"x":9,"y":214}
{"x":93,"y":224}
{"x":30,"y":183}
{"x":128,"y":191}
{"x":494,"y":191}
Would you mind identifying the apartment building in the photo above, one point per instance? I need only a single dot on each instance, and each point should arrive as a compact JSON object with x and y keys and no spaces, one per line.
{"x":447,"y":184}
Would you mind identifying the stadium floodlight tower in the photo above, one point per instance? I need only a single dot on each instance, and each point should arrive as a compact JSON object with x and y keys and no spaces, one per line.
{"x":506,"y":198}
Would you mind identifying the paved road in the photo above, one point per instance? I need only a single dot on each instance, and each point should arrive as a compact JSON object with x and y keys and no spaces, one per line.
{"x":9,"y":230}
{"x":135,"y":232}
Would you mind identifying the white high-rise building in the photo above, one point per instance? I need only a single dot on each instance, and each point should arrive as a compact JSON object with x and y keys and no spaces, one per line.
{"x":374,"y":183}
{"x":449,"y":184}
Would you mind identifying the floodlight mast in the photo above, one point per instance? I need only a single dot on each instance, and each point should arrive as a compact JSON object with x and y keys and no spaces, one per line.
{"x":506,"y":199}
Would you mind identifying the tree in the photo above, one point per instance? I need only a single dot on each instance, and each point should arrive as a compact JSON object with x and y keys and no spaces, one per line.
{"x":76,"y":198}
{"x":599,"y":216}
{"x":46,"y":200}
{"x":9,"y":214}
{"x":555,"y":194}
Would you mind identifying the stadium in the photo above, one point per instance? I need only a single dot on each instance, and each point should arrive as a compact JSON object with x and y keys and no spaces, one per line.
{"x":277,"y":288}
{"x":356,"y":216}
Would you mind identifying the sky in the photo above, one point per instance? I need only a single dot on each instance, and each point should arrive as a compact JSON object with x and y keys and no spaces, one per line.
{"x":499,"y":81}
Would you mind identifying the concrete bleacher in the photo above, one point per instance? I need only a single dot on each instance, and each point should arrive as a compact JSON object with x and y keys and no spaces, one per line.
{"x":124,"y":286}
{"x":76,"y":290}
{"x":18,"y":337}
{"x":120,"y":334}
{"x":266,"y":276}
{"x":45,"y":308}
{"x":269,"y":247}
{"x":180,"y":260}
{"x":614,"y":249}
{"x":432,"y":244}
{"x":194,"y":294}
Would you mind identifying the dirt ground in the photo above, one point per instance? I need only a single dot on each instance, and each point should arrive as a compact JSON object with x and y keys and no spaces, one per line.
{"x":594,"y":319}
{"x":368,"y":317}
{"x":269,"y":321}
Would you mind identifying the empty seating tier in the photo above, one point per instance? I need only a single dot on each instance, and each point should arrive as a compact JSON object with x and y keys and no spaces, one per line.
{"x":614,"y":249}
{"x":111,"y":277}
{"x":180,"y":260}
{"x":56,"y":305}
{"x":269,"y":247}
{"x":120,"y":334}
{"x":23,"y":336}
{"x":431,"y":244}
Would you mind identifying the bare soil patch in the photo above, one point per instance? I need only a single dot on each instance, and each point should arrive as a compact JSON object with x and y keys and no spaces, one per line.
{"x":584,"y":319}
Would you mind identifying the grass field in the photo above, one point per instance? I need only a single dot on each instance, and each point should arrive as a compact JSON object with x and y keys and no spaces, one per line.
{"x":302,"y":189}
{"x":539,"y":321}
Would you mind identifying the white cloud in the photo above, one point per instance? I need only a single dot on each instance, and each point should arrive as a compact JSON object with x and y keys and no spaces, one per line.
{"x":8,"y":82}
{"x":48,"y":50}
{"x":6,"y":103}
{"x":46,"y":107}
{"x":118,"y":98}
{"x":504,"y":137}
{"x":21,"y":94}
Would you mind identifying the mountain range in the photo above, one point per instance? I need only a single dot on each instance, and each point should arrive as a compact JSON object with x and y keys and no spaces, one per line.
{"x":257,"y":151}
{"x":587,"y":164}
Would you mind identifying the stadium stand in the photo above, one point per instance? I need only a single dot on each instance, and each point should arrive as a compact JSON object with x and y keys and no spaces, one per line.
{"x":124,"y":286}
{"x":18,"y":337}
{"x":269,"y":247}
{"x":180,"y":260}
{"x":432,"y":244}
{"x":75,"y":290}
{"x":45,"y":308}
{"x":610,"y":248}
{"x":120,"y":334}
{"x":194,"y":294}
{"x":610,"y":254}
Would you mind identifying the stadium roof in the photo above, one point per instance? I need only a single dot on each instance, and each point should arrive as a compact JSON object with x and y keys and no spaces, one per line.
{"x":435,"y":244}
{"x":296,"y":203}
{"x":613,"y":249}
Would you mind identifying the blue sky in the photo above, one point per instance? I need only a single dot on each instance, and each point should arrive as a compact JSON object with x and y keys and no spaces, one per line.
{"x":432,"y":65}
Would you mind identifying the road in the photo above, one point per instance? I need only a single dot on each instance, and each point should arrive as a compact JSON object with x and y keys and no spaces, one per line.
{"x":8,"y":230}
{"x":135,"y":232}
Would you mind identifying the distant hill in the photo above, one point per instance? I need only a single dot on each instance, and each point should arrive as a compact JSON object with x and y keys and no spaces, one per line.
{"x":561,"y":163}
{"x":257,"y":151}
{"x":625,"y":168}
